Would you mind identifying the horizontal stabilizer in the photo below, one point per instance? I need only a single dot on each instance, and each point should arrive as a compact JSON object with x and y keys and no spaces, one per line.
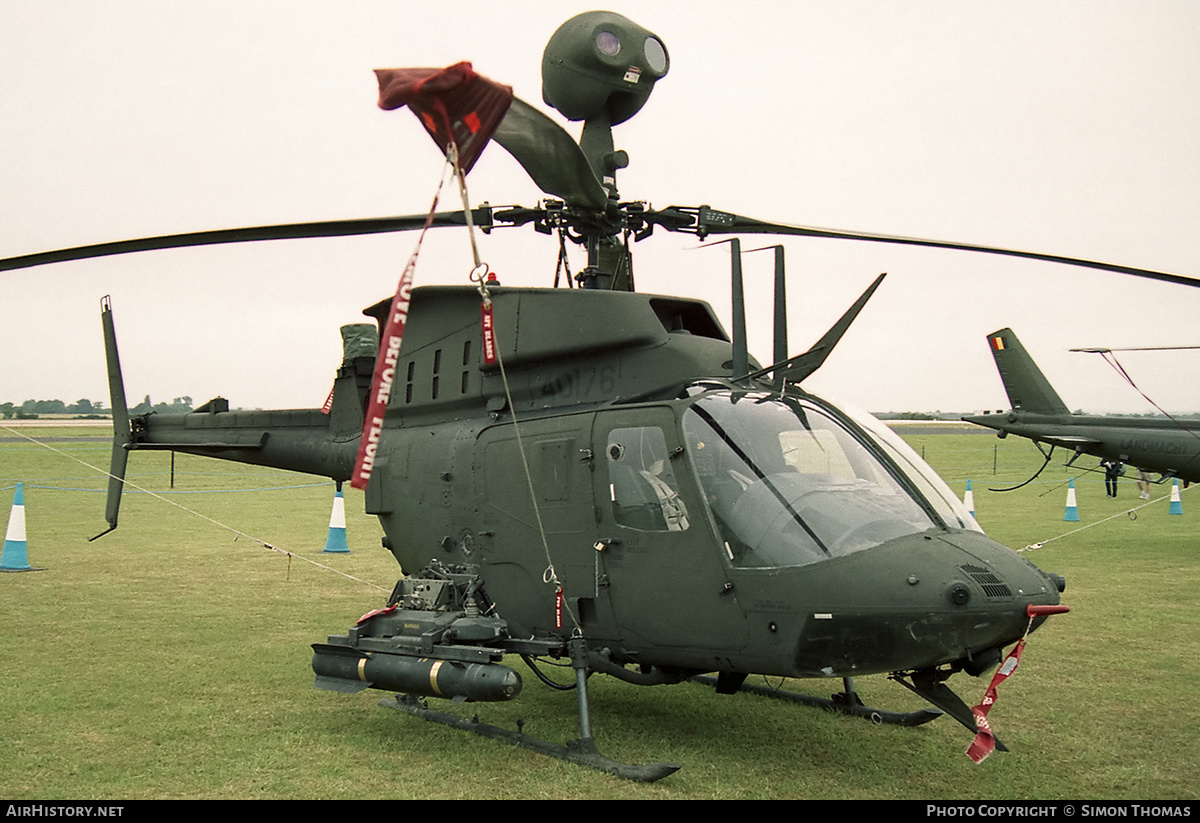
{"x":1069,"y":441}
{"x":256,"y":442}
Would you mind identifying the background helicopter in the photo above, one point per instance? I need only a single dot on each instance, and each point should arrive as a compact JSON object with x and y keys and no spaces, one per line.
{"x":1168,"y":446}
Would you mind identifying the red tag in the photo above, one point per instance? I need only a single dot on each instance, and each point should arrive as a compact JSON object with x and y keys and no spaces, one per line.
{"x":457,"y":107}
{"x":328,"y":403}
{"x":1037,"y":611}
{"x":385,"y":365}
{"x":454,"y":104}
{"x":385,"y":373}
{"x":373,"y":613}
{"x":489,"y":334}
{"x":985,"y":742}
{"x":558,"y":604}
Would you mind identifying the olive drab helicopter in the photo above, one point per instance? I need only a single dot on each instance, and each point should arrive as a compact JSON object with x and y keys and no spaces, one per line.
{"x":604,"y":477}
{"x":1167,"y":445}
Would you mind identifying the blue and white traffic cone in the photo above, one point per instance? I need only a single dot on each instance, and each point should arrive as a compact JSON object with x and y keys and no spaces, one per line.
{"x":969,"y":499}
{"x":1072,"y":512}
{"x":336,"y":541}
{"x":16,"y":557}
{"x":1176,"y":503}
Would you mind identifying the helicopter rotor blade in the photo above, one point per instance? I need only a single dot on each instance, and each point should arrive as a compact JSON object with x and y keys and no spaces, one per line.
{"x":705,"y":221}
{"x":1104,"y":350}
{"x":550,"y":156}
{"x":481,"y":217}
{"x":570,"y":177}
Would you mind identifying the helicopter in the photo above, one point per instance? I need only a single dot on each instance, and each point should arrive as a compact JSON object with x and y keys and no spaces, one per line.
{"x":1169,"y":447}
{"x":622,"y":486}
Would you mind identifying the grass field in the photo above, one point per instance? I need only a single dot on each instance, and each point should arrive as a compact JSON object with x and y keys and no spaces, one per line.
{"x":171,"y":658}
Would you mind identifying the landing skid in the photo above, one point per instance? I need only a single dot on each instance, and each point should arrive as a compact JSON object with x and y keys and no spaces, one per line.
{"x":928,"y":683}
{"x":845,"y":702}
{"x":582,"y":752}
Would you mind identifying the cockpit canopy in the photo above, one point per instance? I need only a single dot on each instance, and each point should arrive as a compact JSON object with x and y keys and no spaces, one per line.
{"x":790,"y":481}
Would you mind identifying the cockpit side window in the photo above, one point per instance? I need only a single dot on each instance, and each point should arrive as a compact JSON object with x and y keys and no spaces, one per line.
{"x":642,"y":484}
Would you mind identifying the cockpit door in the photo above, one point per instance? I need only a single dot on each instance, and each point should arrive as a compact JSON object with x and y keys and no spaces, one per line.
{"x":659,"y":562}
{"x":538,"y":521}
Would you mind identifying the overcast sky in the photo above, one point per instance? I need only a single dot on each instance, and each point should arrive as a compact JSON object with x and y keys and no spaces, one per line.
{"x":1064,"y":126}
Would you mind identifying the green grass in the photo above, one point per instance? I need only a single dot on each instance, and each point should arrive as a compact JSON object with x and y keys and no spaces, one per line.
{"x":170,"y":659}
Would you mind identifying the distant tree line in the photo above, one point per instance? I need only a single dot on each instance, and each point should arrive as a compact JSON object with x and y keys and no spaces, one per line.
{"x":32,"y":409}
{"x":939,"y":415}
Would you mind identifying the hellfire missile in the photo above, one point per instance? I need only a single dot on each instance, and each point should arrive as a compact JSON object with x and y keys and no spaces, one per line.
{"x":343,"y":669}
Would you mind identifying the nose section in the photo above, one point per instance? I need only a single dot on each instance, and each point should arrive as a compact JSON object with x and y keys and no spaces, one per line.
{"x":1000,"y":574}
{"x":922,"y":601}
{"x":1003,"y":592}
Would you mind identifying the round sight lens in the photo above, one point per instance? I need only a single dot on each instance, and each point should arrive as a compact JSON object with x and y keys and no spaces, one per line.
{"x":656,"y":55}
{"x":608,"y":43}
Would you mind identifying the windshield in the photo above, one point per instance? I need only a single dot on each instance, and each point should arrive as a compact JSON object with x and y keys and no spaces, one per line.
{"x":927,"y":480}
{"x":789,"y":484}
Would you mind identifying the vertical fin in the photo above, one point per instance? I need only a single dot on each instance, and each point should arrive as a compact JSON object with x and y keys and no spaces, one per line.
{"x":348,"y":401}
{"x":1027,"y":388}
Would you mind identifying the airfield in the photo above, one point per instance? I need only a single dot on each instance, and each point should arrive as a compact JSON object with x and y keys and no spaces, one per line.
{"x":171,"y":658}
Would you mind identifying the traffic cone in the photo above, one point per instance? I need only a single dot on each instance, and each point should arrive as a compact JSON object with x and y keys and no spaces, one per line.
{"x":969,"y":499}
{"x":1072,"y":512}
{"x":336,"y":541}
{"x":15,"y":557}
{"x":1176,"y":503}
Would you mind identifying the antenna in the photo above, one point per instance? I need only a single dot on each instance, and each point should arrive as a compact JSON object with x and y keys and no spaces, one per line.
{"x":780,"y":351}
{"x":741,"y":356}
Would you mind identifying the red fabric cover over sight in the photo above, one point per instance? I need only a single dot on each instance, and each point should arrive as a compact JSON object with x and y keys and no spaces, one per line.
{"x":454,"y":104}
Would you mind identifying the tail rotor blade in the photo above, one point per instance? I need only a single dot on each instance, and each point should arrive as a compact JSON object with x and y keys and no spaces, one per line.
{"x":122,"y":434}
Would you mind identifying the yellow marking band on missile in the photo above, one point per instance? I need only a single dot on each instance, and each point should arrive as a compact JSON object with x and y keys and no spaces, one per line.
{"x":362,"y":669}
{"x":433,"y":673}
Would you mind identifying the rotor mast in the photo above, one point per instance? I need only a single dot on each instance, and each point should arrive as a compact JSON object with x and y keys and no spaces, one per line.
{"x":600,"y":67}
